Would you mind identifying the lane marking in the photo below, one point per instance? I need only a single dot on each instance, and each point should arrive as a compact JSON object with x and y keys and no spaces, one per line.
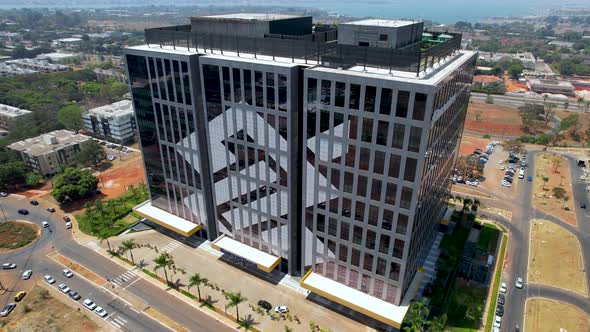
{"x":134,"y":281}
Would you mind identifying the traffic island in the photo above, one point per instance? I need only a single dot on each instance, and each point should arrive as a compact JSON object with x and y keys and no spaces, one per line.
{"x":548,"y":315}
{"x":555,"y":258}
{"x":17,"y":234}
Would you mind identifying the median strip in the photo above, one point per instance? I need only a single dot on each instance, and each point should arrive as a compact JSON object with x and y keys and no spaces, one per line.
{"x":164,"y":320}
{"x":79,"y":269}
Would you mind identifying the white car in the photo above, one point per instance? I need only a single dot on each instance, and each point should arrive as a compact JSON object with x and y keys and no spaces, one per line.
{"x":502,"y":168}
{"x":583,"y":177}
{"x":519,"y":283}
{"x":111,"y":158}
{"x":27,"y":274}
{"x":497,"y":321}
{"x":282,"y":309}
{"x":501,"y":162}
{"x":8,"y":266}
{"x":68,"y":225}
{"x":67,"y":273}
{"x":506,"y":184}
{"x":503,"y":288}
{"x":49,"y":279}
{"x":45,"y":224}
{"x":64,"y":288}
{"x":100,"y":311}
{"x":89,"y":304}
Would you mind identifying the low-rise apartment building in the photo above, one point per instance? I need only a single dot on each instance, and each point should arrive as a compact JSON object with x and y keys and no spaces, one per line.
{"x":114,"y":122}
{"x":9,"y":114}
{"x":45,"y":154}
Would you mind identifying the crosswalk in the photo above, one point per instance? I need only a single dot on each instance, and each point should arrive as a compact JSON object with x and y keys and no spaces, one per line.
{"x":171,"y":246}
{"x":119,"y":322}
{"x":124,"y":278}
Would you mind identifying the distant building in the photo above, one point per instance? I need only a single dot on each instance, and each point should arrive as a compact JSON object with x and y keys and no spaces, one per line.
{"x":103,"y":75}
{"x":45,"y":154}
{"x":58,"y":57}
{"x":486,"y":79}
{"x":114,"y":122}
{"x":67,"y":42}
{"x":10,"y":36}
{"x":551,"y":86}
{"x":9,"y":70}
{"x":380,"y":33}
{"x":9,"y":114}
{"x":560,"y":43}
{"x":527,"y":58}
{"x":37,"y":65}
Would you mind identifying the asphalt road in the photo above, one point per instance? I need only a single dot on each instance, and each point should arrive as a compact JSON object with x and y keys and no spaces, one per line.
{"x":121,"y":314}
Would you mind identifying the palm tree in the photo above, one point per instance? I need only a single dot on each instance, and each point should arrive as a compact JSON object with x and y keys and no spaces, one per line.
{"x":110,"y":204}
{"x":104,"y":235}
{"x":197,"y":280}
{"x":162,"y":262}
{"x":419,"y":310}
{"x":234,"y":300}
{"x":128,"y":246}
{"x":99,"y":207}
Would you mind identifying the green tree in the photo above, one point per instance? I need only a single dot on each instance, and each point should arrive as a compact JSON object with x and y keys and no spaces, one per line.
{"x":545,"y":180}
{"x":234,"y":300}
{"x":416,"y":318}
{"x":70,"y":116}
{"x":515,"y":70}
{"x":74,"y":184}
{"x":104,"y":236}
{"x":437,"y":324}
{"x":129,"y":245}
{"x":12,"y":174}
{"x":197,"y":280}
{"x":163,"y":262}
{"x":90,"y":153}
{"x":32,"y":179}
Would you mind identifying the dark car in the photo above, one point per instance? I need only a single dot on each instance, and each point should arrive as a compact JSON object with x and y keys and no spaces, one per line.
{"x":509,"y":179}
{"x":50,"y":209}
{"x":34,"y":202}
{"x":74,"y":295}
{"x":265,"y":304}
{"x":501,"y":299}
{"x":477,"y":151}
{"x":23,"y":212}
{"x":67,"y":219}
{"x":500,"y":310}
{"x":583,"y":206}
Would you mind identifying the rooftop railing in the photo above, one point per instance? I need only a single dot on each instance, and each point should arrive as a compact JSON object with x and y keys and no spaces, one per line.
{"x":318,"y":48}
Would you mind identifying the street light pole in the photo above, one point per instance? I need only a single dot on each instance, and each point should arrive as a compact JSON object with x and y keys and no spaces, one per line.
{"x":4,"y":214}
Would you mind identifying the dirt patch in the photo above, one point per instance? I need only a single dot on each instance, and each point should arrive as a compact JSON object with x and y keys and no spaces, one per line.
{"x":77,"y":268}
{"x":554,"y":169}
{"x":470,"y":143}
{"x":39,"y":311}
{"x":549,"y":315}
{"x":498,"y":120}
{"x":583,"y":120}
{"x":555,"y":258}
{"x":17,"y":234}
{"x":122,"y":174}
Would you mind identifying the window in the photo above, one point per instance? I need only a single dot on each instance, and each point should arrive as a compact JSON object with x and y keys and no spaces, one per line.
{"x":355,"y":97}
{"x":312,"y":90}
{"x":321,"y":223}
{"x":248,"y":86}
{"x":340,"y":90}
{"x":370,"y":93}
{"x":367,"y":133}
{"x":384,"y":244}
{"x":394,"y":165}
{"x":270,"y":91}
{"x":398,"y":248}
{"x":373,"y":214}
{"x":259,"y":88}
{"x":355,"y":258}
{"x":402,"y":224}
{"x":332,"y":226}
{"x":361,"y":188}
{"x":326,"y":92}
{"x":410,"y":171}
{"x":398,"y":136}
{"x":237,"y":84}
{"x":376,"y":190}
{"x":371,"y":239}
{"x":359,"y":211}
{"x":385,"y":104}
{"x":381,"y":266}
{"x":406,"y":198}
{"x":365,"y":155}
{"x":387,"y":221}
{"x":357,"y":235}
{"x":390,"y":193}
{"x":282,"y":93}
{"x":382,"y":37}
{"x":419,"y":106}
{"x":379,"y":162}
{"x":368,"y":262}
{"x":344,"y":230}
{"x":382,"y":131}
{"x":415,"y":138}
{"x":226,"y":84}
{"x":403,"y":98}
{"x":394,"y":269}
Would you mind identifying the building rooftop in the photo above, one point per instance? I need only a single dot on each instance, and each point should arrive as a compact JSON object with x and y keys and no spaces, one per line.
{"x":56,"y":56}
{"x":251,"y":16}
{"x":49,"y":142}
{"x":383,"y":23}
{"x":120,"y":108}
{"x":11,"y":111}
{"x":564,"y":84}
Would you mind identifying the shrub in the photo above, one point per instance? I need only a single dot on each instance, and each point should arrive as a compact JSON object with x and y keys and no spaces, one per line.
{"x":487,"y":136}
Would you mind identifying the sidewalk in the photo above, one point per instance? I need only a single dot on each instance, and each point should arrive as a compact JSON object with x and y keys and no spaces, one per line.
{"x":275,"y":288}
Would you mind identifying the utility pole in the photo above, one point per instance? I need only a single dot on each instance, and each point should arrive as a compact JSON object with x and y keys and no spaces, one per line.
{"x":4,"y":214}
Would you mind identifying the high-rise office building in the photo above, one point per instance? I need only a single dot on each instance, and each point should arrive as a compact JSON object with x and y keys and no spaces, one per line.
{"x":323,"y":153}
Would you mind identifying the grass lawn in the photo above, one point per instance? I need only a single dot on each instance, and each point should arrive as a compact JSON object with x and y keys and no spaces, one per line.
{"x":465,"y":297}
{"x":555,"y":258}
{"x":15,"y":234}
{"x":548,"y":315}
{"x":489,"y":233}
{"x":113,"y":218}
{"x":556,"y":169}
{"x":496,"y":285}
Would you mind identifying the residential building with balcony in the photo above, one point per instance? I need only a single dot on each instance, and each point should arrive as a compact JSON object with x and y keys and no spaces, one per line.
{"x":114,"y":122}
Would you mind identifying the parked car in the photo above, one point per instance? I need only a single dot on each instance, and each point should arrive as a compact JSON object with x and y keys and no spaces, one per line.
{"x":497,"y":321}
{"x":111,"y":158}
{"x":67,"y":219}
{"x":281,"y":309}
{"x":500,"y":310}
{"x":89,"y":304}
{"x":68,"y":225}
{"x":506,"y":184}
{"x":27,"y":275}
{"x":8,"y":266}
{"x":502,"y":168}
{"x":50,"y":209}
{"x":3,"y":194}
{"x":582,"y":205}
{"x":503,"y":288}
{"x":519,"y":283}
{"x":477,"y":151}
{"x":501,"y":299}
{"x":7,"y":309}
{"x":19,"y":296}
{"x":67,"y":273}
{"x":34,"y":202}
{"x":64,"y":288}
{"x":45,"y":224}
{"x":529,"y":178}
{"x":49,"y":279}
{"x":23,"y":212}
{"x":100,"y":311}
{"x":265,"y":304}
{"x":74,"y":295}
